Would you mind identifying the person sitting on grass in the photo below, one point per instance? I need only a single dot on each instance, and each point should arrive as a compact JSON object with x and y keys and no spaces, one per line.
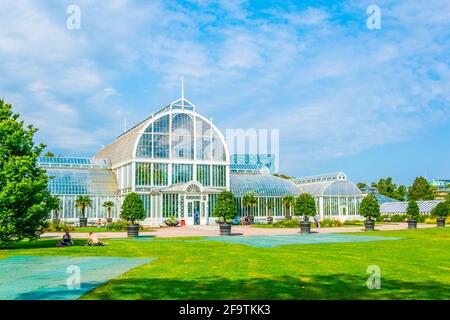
{"x":93,"y":240}
{"x":66,"y":240}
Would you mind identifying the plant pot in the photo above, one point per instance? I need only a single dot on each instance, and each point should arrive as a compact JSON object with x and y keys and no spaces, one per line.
{"x":225,"y":229}
{"x":305,"y":227}
{"x":412,"y":224}
{"x":369,"y":225}
{"x":269,"y":220}
{"x":109,"y":220}
{"x":133,"y":230}
{"x":440,"y":222}
{"x":83,"y":222}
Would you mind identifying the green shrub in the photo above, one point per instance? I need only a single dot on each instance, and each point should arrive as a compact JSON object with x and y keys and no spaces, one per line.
{"x":330,"y":223}
{"x":120,"y":225}
{"x":59,"y":227}
{"x":292,"y":223}
{"x":401,"y":217}
{"x":353,"y":223}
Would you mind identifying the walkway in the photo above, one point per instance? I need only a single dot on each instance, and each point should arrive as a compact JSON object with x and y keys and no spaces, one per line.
{"x":207,"y":231}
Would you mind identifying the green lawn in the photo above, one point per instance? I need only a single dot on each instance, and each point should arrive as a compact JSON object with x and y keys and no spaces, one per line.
{"x":417,"y":267}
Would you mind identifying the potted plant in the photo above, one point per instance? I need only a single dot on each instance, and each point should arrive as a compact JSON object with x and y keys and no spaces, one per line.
{"x":369,"y":209}
{"x":132,"y":210}
{"x":288,"y":201}
{"x":305,"y":206}
{"x":226,"y":210}
{"x":441,"y":211}
{"x":83,"y":202}
{"x":413,"y":212}
{"x":270,"y":204}
{"x":172,"y":221}
{"x":108,"y":205}
{"x":55,"y":205}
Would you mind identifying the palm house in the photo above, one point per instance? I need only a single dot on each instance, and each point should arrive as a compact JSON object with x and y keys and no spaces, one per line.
{"x":178,"y":162}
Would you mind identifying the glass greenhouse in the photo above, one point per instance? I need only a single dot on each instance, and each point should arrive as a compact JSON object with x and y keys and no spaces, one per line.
{"x":178,"y":162}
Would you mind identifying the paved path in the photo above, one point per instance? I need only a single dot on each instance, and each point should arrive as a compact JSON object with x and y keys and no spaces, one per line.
{"x":205,"y":231}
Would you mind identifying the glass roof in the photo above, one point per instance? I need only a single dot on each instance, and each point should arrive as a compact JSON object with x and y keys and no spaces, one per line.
{"x":82,"y":182}
{"x":322,"y":177}
{"x":400,"y":206}
{"x":72,"y":162}
{"x":331,"y":188}
{"x":248,"y":168}
{"x":382,"y":199}
{"x":261,"y":185}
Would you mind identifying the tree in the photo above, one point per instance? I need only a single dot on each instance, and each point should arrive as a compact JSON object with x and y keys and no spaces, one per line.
{"x":83,"y":202}
{"x":387,"y":188}
{"x":249,"y":201}
{"x":108,"y":205}
{"x":55,"y":205}
{"x":361,"y":185}
{"x":282,"y":176}
{"x":421,"y":190}
{"x":305,"y":206}
{"x":270,"y":204}
{"x":401,"y":193}
{"x":225,"y":207}
{"x":369,"y":208}
{"x":413,"y":209}
{"x":49,"y":154}
{"x":442,"y":210}
{"x":132,"y":208}
{"x":24,"y":197}
{"x":288,"y":201}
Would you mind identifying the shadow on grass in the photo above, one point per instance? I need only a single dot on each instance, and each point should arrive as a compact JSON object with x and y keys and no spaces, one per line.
{"x":339,"y":286}
{"x":38,"y":244}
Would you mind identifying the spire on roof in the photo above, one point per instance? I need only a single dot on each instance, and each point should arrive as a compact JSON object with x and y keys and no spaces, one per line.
{"x":182,"y":92}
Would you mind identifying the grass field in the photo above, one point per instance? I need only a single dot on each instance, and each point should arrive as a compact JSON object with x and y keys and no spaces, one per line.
{"x":416,"y":267}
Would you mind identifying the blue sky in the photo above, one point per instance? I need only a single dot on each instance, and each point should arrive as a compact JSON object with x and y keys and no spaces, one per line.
{"x":372,"y":103}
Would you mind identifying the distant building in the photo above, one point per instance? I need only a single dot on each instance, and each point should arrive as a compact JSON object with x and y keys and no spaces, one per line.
{"x":442,"y":187}
{"x":267,"y":160}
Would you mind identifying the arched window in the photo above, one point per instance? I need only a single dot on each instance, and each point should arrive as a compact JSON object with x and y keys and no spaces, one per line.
{"x":182,"y":137}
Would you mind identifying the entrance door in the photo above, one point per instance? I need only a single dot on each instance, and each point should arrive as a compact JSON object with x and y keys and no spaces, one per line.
{"x":343,"y":210}
{"x":196,"y":212}
{"x":193,"y":210}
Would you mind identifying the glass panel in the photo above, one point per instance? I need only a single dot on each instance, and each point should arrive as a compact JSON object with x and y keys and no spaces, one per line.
{"x":160,"y":174}
{"x":181,"y":173}
{"x":182,"y":137}
{"x":204,"y":175}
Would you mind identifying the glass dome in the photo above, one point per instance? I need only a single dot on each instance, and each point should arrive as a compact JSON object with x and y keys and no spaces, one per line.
{"x":261,"y":185}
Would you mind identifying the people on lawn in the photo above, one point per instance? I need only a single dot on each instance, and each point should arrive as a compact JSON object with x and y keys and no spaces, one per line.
{"x":66,"y":240}
{"x":93,"y":240}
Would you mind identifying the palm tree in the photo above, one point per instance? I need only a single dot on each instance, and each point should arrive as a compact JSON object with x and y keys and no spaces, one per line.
{"x":249,"y":200}
{"x":288,"y":201}
{"x":55,"y":205}
{"x":83,"y":202}
{"x":108,"y":205}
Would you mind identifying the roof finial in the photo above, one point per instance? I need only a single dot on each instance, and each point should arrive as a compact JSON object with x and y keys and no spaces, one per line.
{"x":182,"y":92}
